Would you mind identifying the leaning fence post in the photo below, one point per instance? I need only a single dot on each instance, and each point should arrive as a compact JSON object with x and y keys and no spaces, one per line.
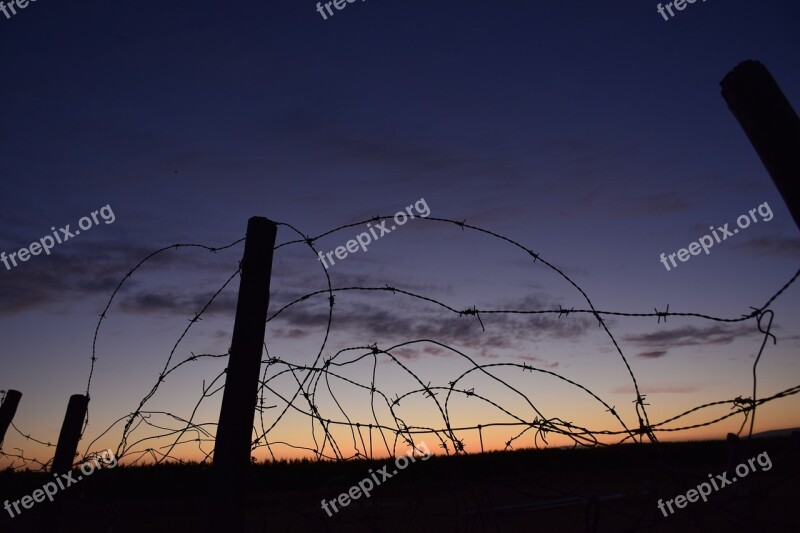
{"x":63,"y":460}
{"x":235,"y":430}
{"x":70,"y":434}
{"x":772,"y":126}
{"x":7,"y":411}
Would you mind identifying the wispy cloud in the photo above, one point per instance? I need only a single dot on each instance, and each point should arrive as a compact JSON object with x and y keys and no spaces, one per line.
{"x":775,"y":246}
{"x":415,"y":352}
{"x":689,"y":336}
{"x":68,"y":275}
{"x":293,"y":333}
{"x":543,"y":362}
{"x":390,"y":322}
{"x":655,"y":354}
{"x":659,"y":389}
{"x":65,"y":275}
{"x":175,"y":301}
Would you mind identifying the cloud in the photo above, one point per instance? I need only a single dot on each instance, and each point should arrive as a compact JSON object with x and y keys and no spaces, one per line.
{"x":655,"y":354}
{"x":690,"y":336}
{"x":392,"y":322}
{"x":543,"y":362}
{"x":63,"y":276}
{"x":664,"y":389}
{"x":774,"y":246}
{"x":147,"y":302}
{"x":407,"y":352}
{"x":96,"y":269}
{"x":293,"y":333}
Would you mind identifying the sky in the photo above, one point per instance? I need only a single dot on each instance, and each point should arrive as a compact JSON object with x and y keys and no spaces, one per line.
{"x":592,"y":133}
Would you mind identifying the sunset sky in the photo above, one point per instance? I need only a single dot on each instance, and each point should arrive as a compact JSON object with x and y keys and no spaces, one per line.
{"x":592,"y":133}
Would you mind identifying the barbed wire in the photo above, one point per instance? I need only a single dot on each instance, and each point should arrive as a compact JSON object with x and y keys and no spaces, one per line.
{"x":158,"y":436}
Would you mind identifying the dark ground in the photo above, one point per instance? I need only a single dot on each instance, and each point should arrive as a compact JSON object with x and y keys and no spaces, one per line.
{"x":599,"y":489}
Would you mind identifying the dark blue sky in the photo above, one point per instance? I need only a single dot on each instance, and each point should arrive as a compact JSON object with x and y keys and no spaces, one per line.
{"x":593,"y":132}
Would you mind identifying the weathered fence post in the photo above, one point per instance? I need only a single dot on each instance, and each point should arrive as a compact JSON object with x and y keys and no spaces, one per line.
{"x":70,"y":433}
{"x":67,"y":447}
{"x":772,"y":126}
{"x":235,"y":430}
{"x":7,"y":411}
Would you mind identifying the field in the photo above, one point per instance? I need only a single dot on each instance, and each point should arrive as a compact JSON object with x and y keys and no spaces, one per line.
{"x":597,"y":489}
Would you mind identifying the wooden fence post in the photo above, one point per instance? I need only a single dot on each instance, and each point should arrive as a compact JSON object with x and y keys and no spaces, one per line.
{"x":235,"y":430}
{"x":772,"y":126}
{"x":70,"y":433}
{"x":7,"y":411}
{"x":54,"y":512}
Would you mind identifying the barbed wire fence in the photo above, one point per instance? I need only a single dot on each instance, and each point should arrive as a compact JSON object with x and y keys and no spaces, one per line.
{"x":384,"y":433}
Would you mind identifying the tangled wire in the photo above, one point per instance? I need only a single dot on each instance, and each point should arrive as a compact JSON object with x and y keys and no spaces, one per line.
{"x":313,"y":394}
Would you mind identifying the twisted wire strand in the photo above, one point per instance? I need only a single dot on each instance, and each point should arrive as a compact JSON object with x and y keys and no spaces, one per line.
{"x":325,"y":373}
